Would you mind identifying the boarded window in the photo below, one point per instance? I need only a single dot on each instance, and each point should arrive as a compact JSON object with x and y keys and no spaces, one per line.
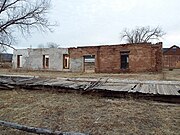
{"x":124,"y":60}
{"x":45,"y":61}
{"x":65,"y":61}
{"x":19,"y":61}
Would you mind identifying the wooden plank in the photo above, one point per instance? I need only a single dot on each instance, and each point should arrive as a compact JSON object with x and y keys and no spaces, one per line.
{"x":166,"y":89}
{"x":128,"y":88}
{"x":173,"y":90}
{"x":111,"y":88}
{"x":114,"y":84}
{"x":36,"y":130}
{"x":157,"y":87}
{"x":134,"y":88}
{"x":144,"y":88}
{"x":160,"y":89}
{"x":152,"y":89}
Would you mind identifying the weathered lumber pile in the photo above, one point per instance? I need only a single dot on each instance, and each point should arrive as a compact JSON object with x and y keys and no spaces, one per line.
{"x":103,"y":85}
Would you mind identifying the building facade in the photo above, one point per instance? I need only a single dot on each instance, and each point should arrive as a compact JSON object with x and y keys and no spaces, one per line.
{"x":6,"y":57}
{"x":171,"y":57}
{"x":41,"y":59}
{"x":142,"y":57}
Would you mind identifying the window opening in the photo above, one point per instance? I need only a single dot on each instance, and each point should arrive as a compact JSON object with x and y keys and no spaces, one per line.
{"x":89,"y":63}
{"x":124,"y":60}
{"x":65,"y":61}
{"x":45,"y":61}
{"x":19,"y":61}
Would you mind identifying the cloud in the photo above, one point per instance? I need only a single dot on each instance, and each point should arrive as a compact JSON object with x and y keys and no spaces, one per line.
{"x":172,"y":38}
{"x":101,"y":21}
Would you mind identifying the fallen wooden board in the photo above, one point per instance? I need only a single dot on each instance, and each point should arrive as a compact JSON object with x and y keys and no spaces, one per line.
{"x":36,"y":130}
{"x":106,"y":84}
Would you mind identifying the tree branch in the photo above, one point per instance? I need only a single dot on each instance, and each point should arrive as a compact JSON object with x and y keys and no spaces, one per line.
{"x":7,"y":45}
{"x":22,"y":15}
{"x":142,"y":34}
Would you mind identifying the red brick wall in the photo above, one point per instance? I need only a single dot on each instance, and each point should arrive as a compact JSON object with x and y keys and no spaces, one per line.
{"x":171,"y":58}
{"x":142,"y":57}
{"x":171,"y":61}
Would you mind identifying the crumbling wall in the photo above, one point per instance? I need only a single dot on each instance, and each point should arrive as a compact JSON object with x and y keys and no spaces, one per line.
{"x":33,"y":58}
{"x":143,"y":57}
{"x":25,"y":58}
{"x":77,"y":57}
{"x":171,"y":58}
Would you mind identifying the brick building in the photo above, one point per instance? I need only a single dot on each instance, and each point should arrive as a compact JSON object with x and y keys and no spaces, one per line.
{"x":140,"y":57}
{"x":171,"y":57}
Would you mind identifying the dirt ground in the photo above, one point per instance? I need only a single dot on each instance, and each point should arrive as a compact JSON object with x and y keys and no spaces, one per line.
{"x":88,"y":114}
{"x":164,"y":75}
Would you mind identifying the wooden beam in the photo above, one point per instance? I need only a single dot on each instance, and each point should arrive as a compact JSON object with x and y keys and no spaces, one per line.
{"x":36,"y":130}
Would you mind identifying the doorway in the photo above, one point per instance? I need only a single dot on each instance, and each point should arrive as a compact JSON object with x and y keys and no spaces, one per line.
{"x":19,"y":61}
{"x":124,"y":60}
{"x":45,"y":61}
{"x":89,"y":63}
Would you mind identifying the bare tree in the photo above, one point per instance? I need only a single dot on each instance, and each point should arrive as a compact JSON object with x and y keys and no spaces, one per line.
{"x":41,"y":46}
{"x":52,"y":45}
{"x":142,"y":34}
{"x":2,"y":50}
{"x":23,"y":16}
{"x":48,"y":45}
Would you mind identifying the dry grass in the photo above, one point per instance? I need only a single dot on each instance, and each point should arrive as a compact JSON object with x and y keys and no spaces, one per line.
{"x":88,"y":114}
{"x":172,"y":75}
{"x":165,"y":75}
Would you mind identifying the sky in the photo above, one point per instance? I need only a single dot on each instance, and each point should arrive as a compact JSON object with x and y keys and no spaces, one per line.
{"x":94,"y":22}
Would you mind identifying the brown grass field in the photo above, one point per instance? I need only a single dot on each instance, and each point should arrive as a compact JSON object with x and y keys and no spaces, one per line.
{"x":86,"y":113}
{"x":164,"y":75}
